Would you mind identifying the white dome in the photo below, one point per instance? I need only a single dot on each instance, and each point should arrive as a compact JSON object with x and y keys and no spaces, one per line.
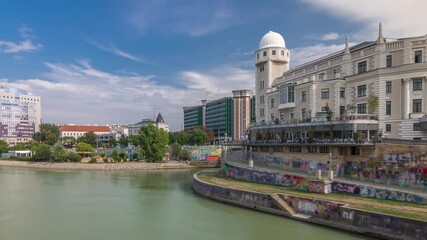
{"x":272,"y":39}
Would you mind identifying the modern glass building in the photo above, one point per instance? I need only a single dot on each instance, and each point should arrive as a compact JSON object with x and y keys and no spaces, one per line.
{"x":20,"y":115}
{"x":219,"y":117}
{"x":192,"y":117}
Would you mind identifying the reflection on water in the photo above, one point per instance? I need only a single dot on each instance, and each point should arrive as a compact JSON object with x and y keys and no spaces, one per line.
{"x":155,"y":204}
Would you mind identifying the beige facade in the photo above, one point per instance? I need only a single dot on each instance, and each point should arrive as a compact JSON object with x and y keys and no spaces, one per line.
{"x":241,"y":113}
{"x":393,"y":70}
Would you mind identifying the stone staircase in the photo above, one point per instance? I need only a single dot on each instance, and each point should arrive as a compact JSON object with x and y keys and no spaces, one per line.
{"x":282,"y":204}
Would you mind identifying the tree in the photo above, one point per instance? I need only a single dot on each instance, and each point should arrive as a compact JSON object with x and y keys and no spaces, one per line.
{"x":89,"y":138}
{"x":3,"y":147}
{"x":68,"y":142}
{"x":41,"y":152}
{"x":198,"y":137}
{"x":49,"y":134}
{"x":112,"y":142}
{"x":178,"y":137}
{"x":152,"y":142}
{"x":84,"y":147}
{"x":122,"y":155}
{"x":209,"y":133}
{"x":176,"y":149}
{"x":123,"y":141}
{"x":102,"y":154}
{"x":329,"y":112}
{"x":59,"y":154}
{"x":19,"y":146}
{"x":373,"y":103}
{"x":74,"y":157}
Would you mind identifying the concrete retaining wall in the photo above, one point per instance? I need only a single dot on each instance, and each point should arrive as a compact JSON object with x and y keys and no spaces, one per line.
{"x":324,"y":213}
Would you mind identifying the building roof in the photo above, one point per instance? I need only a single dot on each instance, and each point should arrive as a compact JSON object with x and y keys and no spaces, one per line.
{"x":272,"y":39}
{"x":160,"y":119}
{"x":83,"y":128}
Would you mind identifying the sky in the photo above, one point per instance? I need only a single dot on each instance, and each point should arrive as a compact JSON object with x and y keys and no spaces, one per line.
{"x":116,"y":62}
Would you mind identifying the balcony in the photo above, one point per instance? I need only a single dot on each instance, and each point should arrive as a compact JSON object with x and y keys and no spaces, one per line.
{"x":286,"y":105}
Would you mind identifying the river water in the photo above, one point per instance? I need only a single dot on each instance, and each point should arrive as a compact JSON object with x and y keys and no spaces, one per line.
{"x":156,"y":204}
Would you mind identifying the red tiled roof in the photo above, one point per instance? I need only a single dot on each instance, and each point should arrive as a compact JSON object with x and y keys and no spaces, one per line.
{"x":77,"y":128}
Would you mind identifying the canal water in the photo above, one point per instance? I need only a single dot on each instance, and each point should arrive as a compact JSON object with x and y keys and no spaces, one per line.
{"x":156,"y":204}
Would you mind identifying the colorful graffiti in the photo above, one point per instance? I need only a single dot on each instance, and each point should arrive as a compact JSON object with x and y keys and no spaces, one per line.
{"x":312,"y":207}
{"x":412,"y":177}
{"x":206,"y":153}
{"x":380,"y":193}
{"x":274,"y":177}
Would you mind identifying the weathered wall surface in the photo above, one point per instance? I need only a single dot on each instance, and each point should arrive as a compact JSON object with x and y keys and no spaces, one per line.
{"x":375,"y":192}
{"x":276,"y":178}
{"x":324,"y":213}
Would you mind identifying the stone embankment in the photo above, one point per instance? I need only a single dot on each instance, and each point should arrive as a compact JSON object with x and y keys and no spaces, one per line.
{"x":95,"y":166}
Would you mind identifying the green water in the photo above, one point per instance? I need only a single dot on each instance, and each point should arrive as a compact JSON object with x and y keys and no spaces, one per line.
{"x":48,"y":205}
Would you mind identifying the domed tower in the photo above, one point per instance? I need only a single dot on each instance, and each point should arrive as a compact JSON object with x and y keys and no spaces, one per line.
{"x":271,"y":61}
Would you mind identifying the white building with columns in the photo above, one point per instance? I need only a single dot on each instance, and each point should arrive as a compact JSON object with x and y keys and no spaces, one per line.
{"x":392,"y":71}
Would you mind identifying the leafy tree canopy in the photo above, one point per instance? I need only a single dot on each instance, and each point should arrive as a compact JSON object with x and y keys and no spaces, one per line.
{"x":179,"y":137}
{"x":4,"y":147}
{"x":41,"y":152}
{"x":89,"y":138}
{"x":84,"y":147}
{"x":48,"y":134}
{"x":199,"y":137}
{"x":152,"y":142}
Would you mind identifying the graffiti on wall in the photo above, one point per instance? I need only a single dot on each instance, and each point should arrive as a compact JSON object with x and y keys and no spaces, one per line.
{"x":374,"y":192}
{"x":310,"y":206}
{"x":412,"y":175}
{"x":274,"y":177}
{"x":206,"y":153}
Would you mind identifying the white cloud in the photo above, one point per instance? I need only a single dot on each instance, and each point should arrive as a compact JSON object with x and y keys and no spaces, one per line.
{"x":399,"y":18}
{"x":306,"y":54}
{"x":79,"y":93}
{"x":191,"y":18}
{"x":329,"y":36}
{"x":25,"y":45}
{"x":111,"y":48}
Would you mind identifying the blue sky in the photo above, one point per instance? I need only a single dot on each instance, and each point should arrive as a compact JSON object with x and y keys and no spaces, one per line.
{"x":108,"y":62}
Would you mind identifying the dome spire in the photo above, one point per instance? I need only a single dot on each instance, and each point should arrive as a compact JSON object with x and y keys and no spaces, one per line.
{"x":380,"y":34}
{"x":346,"y":49}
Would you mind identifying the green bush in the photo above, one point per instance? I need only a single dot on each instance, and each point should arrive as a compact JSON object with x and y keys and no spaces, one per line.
{"x":92,"y":160}
{"x":74,"y":157}
{"x":186,"y":155}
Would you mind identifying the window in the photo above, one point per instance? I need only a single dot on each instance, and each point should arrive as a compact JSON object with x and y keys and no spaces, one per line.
{"x":321,"y":76}
{"x":416,"y":106}
{"x":388,"y":127}
{"x":303,"y":96}
{"x":264,"y":53}
{"x":261,"y":112}
{"x":361,"y":108}
{"x":388,"y":87}
{"x":388,"y":61}
{"x":361,"y":91}
{"x":272,"y":103}
{"x":294,"y":149}
{"x":261,"y":84}
{"x":362,"y":67}
{"x":272,"y":117}
{"x":355,"y":150}
{"x":303,"y":113}
{"x":418,"y":56}
{"x":261,"y":99}
{"x":324,"y":149}
{"x":273,"y":52}
{"x":335,"y":73}
{"x":342,"y":92}
{"x":261,"y":68}
{"x":417,"y":127}
{"x":282,"y":116}
{"x":417,"y":84}
{"x":283,"y":53}
{"x":291,"y":92}
{"x":257,"y":56}
{"x":388,"y":108}
{"x":342,"y":110}
{"x":277,"y":149}
{"x":325,"y":93}
{"x":312,"y":149}
{"x":292,"y":114}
